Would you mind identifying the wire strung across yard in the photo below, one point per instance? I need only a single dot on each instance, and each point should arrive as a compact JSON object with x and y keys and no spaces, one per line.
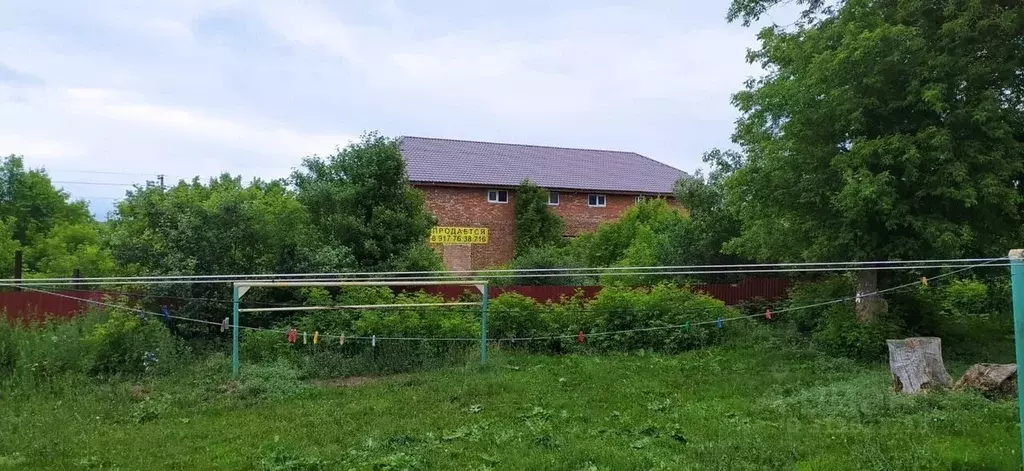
{"x":522,"y":273}
{"x":374,"y":338}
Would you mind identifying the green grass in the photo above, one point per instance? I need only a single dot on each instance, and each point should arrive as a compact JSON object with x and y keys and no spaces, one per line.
{"x":773,"y":406}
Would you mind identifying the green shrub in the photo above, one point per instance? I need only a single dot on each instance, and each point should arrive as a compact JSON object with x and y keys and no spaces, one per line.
{"x":664,"y":305}
{"x":543,"y":258}
{"x":514,"y":315}
{"x":97,"y":343}
{"x":809,"y":293}
{"x":126,"y":344}
{"x":840,"y":333}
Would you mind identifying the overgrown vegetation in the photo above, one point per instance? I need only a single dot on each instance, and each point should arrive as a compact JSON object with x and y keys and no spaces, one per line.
{"x":537,"y":227}
{"x":764,"y":401}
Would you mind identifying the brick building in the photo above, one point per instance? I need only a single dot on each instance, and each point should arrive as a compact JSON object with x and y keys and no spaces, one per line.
{"x":472,"y":185}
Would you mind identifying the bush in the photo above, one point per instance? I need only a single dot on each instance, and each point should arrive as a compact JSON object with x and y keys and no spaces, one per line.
{"x":840,"y":333}
{"x":513,"y":315}
{"x":543,"y":258}
{"x":123,"y":343}
{"x":806,"y":294}
{"x":665,"y":305}
{"x":96,"y":343}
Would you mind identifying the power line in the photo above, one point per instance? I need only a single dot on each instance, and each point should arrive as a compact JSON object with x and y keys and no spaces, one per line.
{"x":102,"y":172}
{"x":62,"y":182}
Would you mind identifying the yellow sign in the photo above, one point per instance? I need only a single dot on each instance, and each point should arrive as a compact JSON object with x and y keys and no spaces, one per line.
{"x":458,"y":235}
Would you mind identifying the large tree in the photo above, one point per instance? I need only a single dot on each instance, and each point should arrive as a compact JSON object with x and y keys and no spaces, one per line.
{"x":31,"y":204}
{"x":360,"y":199}
{"x":220,"y":227}
{"x":883,"y":129}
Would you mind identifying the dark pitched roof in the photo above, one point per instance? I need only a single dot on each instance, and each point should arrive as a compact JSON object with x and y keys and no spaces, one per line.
{"x":431,"y":160}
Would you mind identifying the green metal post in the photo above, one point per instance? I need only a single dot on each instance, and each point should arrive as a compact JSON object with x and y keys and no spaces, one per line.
{"x":483,"y":326}
{"x":1017,"y":282}
{"x":234,"y":332}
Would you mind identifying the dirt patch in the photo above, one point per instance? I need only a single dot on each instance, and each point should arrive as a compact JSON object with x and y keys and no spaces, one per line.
{"x":347,"y":382}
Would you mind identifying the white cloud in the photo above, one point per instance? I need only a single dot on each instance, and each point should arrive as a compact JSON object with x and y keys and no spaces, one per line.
{"x":203,"y":86}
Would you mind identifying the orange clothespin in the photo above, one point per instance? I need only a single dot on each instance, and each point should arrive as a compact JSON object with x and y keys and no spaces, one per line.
{"x":581,"y":338}
{"x":316,"y":337}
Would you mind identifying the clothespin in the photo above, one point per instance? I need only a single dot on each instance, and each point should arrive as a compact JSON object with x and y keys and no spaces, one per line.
{"x":292,"y":333}
{"x":373,"y":341}
{"x":856,"y":299}
{"x":686,"y":326}
{"x":303,"y":337}
{"x":316,"y":337}
{"x":720,"y":322}
{"x":768,"y":314}
{"x":167,"y":314}
{"x":581,"y":338}
{"x":924,"y":281}
{"x":224,"y":325}
{"x":341,"y":340}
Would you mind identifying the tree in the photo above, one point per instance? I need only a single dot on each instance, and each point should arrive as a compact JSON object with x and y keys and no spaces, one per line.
{"x":222,"y":227}
{"x":883,"y":129}
{"x":70,"y":247}
{"x":8,"y":245}
{"x":536,"y":225}
{"x":701,"y":239}
{"x":360,"y":199}
{"x":31,"y":204}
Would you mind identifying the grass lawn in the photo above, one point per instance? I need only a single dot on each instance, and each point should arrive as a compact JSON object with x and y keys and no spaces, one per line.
{"x":773,"y":406}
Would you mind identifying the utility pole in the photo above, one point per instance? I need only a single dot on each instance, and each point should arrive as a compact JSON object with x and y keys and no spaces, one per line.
{"x":160,"y":178}
{"x":17,"y":269}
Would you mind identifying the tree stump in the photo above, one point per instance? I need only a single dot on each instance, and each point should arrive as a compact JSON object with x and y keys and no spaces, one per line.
{"x":992,"y":379}
{"x":916,"y":365}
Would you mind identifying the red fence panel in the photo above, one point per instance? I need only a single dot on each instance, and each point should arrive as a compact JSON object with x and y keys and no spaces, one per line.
{"x":29,"y":306}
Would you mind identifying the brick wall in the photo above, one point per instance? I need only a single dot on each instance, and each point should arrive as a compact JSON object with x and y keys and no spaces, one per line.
{"x":468,"y":207}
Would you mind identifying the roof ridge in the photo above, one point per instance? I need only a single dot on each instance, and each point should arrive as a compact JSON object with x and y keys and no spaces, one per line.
{"x":545,"y":147}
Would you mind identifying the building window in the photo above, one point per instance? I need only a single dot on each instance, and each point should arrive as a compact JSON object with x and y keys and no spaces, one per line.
{"x":497,"y":196}
{"x":597,"y":201}
{"x":553,"y":198}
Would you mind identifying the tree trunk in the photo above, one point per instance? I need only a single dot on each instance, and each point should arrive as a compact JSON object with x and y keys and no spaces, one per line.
{"x":993,"y":380}
{"x":869,"y":305}
{"x":916,"y":365}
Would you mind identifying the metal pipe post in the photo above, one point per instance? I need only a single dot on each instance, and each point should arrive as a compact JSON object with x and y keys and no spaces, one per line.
{"x":1017,"y":283}
{"x":483,"y":325}
{"x":234,"y":332}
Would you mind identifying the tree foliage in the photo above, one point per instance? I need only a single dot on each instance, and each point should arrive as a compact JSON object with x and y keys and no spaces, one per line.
{"x":71,"y":247}
{"x":31,"y":204}
{"x":360,"y":199}
{"x":886,"y":130}
{"x":57,"y":235}
{"x":701,"y":239}
{"x":536,"y":225}
{"x":221,"y":227}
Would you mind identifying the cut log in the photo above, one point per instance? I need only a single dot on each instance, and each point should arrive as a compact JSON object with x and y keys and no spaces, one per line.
{"x":992,"y":379}
{"x":916,"y":365}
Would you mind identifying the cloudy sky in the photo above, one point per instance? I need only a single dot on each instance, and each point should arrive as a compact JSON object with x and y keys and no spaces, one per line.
{"x":118,"y":92}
